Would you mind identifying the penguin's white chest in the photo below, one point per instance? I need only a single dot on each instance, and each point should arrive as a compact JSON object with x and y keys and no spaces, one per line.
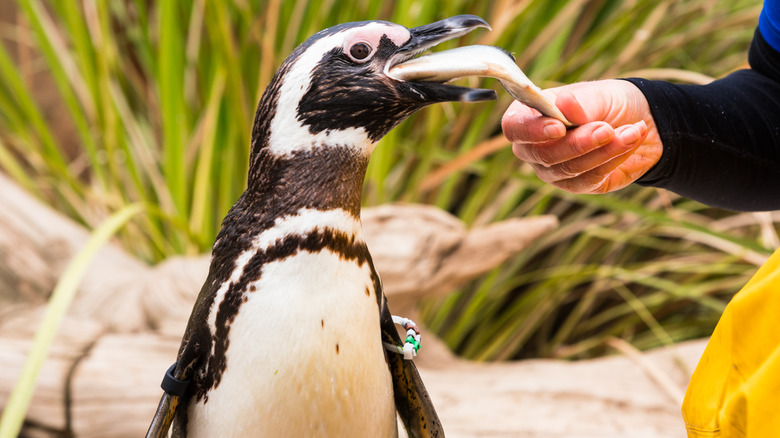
{"x":304,"y":358}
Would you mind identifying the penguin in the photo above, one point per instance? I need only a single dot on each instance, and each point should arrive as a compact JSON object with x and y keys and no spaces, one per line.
{"x":287,"y":337}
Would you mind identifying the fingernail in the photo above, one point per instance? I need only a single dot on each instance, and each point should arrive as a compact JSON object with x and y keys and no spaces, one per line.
{"x":602,"y":135}
{"x":633,"y":133}
{"x":629,"y":136}
{"x":554,"y":130}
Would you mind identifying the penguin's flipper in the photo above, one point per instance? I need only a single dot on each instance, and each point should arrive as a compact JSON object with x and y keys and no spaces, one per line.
{"x":176,"y":383}
{"x":175,"y":386}
{"x":412,"y":401}
{"x":163,"y":417}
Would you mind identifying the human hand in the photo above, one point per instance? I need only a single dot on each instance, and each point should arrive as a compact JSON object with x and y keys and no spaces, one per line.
{"x":615,"y":142}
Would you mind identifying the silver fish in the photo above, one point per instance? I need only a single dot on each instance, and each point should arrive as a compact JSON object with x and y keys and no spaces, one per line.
{"x":486,"y":61}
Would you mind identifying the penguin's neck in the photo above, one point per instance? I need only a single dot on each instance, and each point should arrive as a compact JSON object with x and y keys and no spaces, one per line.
{"x":321,"y":177}
{"x":319,"y":187}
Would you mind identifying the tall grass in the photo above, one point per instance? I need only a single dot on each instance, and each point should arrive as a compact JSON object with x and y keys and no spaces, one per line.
{"x":159,"y":97}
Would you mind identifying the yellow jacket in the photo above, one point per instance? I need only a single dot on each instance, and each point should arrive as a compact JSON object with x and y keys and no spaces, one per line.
{"x":735,"y":390}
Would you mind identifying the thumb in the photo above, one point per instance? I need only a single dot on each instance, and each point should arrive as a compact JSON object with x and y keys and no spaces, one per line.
{"x":567,"y":102}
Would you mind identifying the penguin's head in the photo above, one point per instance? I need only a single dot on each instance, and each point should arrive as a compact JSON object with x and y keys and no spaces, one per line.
{"x":334,"y":89}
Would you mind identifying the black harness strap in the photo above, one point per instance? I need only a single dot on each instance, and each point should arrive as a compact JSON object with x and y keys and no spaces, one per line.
{"x":173,"y":386}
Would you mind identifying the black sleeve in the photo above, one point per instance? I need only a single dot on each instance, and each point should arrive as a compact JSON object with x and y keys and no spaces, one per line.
{"x":721,"y":141}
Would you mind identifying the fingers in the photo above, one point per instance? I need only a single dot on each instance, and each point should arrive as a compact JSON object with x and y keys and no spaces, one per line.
{"x":613,"y":175}
{"x":603,"y":179}
{"x":577,"y":143}
{"x":567,"y":102}
{"x":521,"y":123}
{"x":524,"y":124}
{"x":603,"y":169}
{"x":615,"y":142}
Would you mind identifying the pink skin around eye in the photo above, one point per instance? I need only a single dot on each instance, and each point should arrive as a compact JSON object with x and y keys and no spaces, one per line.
{"x":373,"y":33}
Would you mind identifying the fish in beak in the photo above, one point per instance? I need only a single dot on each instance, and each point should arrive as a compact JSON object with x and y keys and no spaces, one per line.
{"x":484,"y":61}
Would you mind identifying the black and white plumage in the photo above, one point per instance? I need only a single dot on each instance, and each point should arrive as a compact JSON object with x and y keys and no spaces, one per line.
{"x":286,"y":337}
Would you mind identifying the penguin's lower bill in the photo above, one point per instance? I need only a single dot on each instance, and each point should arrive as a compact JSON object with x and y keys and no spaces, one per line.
{"x":485,"y":61}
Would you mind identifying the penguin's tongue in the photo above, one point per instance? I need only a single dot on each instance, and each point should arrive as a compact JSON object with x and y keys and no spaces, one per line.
{"x":486,"y":61}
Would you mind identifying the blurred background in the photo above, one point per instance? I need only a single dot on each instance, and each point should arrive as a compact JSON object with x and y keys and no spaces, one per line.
{"x":108,"y":103}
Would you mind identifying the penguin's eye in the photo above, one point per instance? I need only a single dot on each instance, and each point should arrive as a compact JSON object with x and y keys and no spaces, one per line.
{"x":359,"y":52}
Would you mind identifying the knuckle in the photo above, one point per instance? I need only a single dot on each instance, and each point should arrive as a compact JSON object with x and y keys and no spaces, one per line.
{"x":533,"y":154}
{"x":515,"y":128}
{"x":508,"y":127}
{"x":580,"y":146}
{"x":543,"y":173}
{"x":526,"y":152}
{"x":543,"y":154}
{"x":604,"y":185}
{"x":570,"y":186}
{"x":521,"y":151}
{"x":599,"y":189}
{"x":567,"y":169}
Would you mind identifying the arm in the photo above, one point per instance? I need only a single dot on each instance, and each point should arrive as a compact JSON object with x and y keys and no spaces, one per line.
{"x":721,"y":141}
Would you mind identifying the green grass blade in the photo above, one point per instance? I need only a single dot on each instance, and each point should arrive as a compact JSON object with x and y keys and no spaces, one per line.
{"x":171,"y":75}
{"x":14,"y":412}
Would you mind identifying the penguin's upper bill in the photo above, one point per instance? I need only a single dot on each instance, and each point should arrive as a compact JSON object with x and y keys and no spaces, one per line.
{"x":335,"y":89}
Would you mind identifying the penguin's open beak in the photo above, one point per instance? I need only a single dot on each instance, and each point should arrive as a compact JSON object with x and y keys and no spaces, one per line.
{"x":423,"y":38}
{"x":439,"y":68}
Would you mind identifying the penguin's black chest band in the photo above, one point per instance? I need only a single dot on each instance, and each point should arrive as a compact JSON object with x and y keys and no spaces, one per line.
{"x":178,"y":388}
